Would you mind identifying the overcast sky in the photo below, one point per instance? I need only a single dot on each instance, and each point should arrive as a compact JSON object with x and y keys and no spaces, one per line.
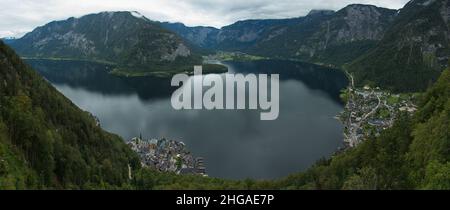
{"x":20,"y":16}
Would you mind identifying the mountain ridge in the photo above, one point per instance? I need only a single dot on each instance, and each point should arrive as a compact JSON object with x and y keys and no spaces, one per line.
{"x":316,"y":37}
{"x":401,"y":50}
{"x":382,"y":47}
{"x":125,"y":38}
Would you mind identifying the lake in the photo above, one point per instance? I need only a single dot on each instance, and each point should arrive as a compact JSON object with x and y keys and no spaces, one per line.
{"x":235,"y":144}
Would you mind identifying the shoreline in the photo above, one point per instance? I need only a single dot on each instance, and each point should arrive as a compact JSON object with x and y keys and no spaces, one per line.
{"x":130,"y":73}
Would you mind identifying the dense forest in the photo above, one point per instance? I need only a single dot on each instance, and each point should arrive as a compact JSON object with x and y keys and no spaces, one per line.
{"x":46,"y":142}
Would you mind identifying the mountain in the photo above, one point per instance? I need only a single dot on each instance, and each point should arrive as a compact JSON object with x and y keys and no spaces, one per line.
{"x":8,"y":40}
{"x":332,"y":38}
{"x":243,"y":35}
{"x":235,"y":37}
{"x":204,"y":37}
{"x":414,"y":50}
{"x":48,"y":142}
{"x":127,"y":39}
{"x":322,"y":36}
{"x":400,"y":50}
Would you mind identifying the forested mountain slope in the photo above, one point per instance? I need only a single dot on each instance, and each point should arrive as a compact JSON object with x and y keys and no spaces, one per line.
{"x":414,"y":51}
{"x":48,"y":142}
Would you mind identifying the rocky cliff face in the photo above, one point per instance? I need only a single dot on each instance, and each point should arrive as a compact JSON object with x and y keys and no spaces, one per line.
{"x":356,"y":28}
{"x":117,"y":37}
{"x":429,"y":30}
{"x":414,"y":50}
{"x":361,"y":22}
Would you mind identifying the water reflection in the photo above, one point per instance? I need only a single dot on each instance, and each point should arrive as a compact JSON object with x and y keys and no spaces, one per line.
{"x":235,"y":144}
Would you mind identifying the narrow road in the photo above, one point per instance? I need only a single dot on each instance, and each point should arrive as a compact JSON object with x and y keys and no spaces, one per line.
{"x":353,"y":132}
{"x":351,"y":78}
{"x":373,"y":110}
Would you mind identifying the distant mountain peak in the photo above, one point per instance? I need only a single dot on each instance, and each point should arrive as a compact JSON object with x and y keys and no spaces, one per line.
{"x":361,"y":6}
{"x":138,"y":15}
{"x":8,"y":40}
{"x":9,"y":37}
{"x":320,"y":12}
{"x":112,"y":14}
{"x":365,"y":8}
{"x":422,"y":2}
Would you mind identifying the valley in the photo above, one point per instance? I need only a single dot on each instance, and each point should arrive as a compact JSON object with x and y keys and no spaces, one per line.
{"x":363,"y":102}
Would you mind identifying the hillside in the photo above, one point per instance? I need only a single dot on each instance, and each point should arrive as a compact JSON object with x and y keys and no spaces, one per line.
{"x":413,"y":52}
{"x":8,"y":40}
{"x":131,"y":41}
{"x":47,"y":142}
{"x":413,"y":154}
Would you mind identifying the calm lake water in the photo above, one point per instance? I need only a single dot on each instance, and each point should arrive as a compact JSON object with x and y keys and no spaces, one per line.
{"x":236,"y":144}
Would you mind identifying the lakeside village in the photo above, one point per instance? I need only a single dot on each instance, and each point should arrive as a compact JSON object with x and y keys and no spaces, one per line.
{"x":368,"y":111}
{"x":167,"y":156}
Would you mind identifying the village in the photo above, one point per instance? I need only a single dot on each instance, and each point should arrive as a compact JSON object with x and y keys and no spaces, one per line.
{"x":167,"y":156}
{"x":369,"y":111}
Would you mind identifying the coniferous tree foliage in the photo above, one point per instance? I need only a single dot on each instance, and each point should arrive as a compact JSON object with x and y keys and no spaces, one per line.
{"x":48,"y":142}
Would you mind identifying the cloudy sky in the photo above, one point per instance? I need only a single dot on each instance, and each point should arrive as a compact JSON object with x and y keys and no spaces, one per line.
{"x":21,"y":16}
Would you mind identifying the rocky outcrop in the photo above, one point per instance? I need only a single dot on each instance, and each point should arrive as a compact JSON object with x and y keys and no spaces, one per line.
{"x":180,"y":51}
{"x":363,"y":22}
